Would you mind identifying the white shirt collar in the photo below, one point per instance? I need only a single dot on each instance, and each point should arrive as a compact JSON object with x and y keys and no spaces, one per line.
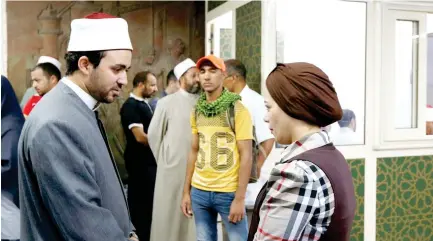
{"x":84,"y":96}
{"x":244,"y":90}
{"x":137,"y":97}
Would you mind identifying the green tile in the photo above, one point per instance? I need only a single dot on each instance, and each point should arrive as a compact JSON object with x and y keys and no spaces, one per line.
{"x":226,"y":36}
{"x":357,"y":167}
{"x":414,"y":228}
{"x":404,"y":198}
{"x":385,"y":229}
{"x":248,"y":41}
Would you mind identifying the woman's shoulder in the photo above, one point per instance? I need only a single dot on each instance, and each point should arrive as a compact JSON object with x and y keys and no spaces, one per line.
{"x":300,"y":170}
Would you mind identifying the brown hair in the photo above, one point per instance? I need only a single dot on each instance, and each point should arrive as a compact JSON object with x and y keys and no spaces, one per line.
{"x":304,"y":92}
{"x":141,"y":77}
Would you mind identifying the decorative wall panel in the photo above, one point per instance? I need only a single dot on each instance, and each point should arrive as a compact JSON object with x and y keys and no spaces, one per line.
{"x":404,"y":198}
{"x":248,"y":41}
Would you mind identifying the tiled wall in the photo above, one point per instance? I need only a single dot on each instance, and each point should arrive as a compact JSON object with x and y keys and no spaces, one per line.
{"x":404,"y":208}
{"x":226,"y":43}
{"x":357,"y":167}
{"x":248,"y":41}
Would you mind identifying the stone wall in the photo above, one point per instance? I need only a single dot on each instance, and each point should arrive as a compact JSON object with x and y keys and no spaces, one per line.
{"x":162,"y":34}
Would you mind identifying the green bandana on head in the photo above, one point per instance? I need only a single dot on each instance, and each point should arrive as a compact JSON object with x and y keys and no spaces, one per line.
{"x":218,"y":106}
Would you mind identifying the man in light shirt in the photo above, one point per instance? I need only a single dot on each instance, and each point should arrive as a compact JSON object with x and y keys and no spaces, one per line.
{"x":347,"y":133}
{"x":236,"y":82}
{"x":45,"y":76}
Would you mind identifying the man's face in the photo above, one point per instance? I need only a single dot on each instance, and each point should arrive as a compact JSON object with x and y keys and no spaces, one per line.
{"x":107,"y":80}
{"x":149,"y":88}
{"x":192,"y":81}
{"x":229,"y":82}
{"x":211,"y":78}
{"x":41,"y":82}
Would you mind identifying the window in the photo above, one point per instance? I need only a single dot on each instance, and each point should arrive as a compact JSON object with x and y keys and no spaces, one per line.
{"x":406,"y":74}
{"x":429,"y":114}
{"x":406,"y":84}
{"x":332,"y":36}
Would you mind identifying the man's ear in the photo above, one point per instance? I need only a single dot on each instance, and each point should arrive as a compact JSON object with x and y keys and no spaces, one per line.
{"x":53,"y":79}
{"x":84,"y":65}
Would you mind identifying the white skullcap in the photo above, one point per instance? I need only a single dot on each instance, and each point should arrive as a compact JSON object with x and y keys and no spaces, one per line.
{"x":51,"y":60}
{"x":99,"y":31}
{"x":182,"y":67}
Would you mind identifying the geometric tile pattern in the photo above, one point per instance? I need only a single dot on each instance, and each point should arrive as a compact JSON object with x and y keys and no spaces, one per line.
{"x":211,"y":5}
{"x":357,"y":167}
{"x":226,"y":43}
{"x":404,"y":195}
{"x":248,"y":41}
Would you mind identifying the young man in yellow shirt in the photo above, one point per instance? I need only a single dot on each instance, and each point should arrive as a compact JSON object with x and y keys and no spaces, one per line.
{"x":220,"y":160}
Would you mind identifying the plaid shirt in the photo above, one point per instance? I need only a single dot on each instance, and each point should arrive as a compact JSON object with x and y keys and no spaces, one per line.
{"x":300,"y":200}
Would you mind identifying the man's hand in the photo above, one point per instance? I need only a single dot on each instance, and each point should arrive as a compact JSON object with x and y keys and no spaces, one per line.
{"x":237,"y":210}
{"x":186,"y":205}
{"x":133,"y":237}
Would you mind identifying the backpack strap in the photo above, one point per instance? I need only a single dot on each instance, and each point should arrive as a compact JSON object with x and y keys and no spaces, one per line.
{"x":195,"y":115}
{"x":231,"y":117}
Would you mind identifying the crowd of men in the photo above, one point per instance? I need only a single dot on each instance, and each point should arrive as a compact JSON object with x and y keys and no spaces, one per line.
{"x":189,"y":154}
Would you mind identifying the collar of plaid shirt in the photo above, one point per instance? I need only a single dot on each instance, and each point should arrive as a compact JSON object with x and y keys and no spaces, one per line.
{"x":309,"y":142}
{"x":295,"y":191}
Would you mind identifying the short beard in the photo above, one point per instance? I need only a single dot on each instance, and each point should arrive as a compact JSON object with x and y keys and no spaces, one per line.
{"x":193,"y":89}
{"x":93,"y":82}
{"x":145,"y":94}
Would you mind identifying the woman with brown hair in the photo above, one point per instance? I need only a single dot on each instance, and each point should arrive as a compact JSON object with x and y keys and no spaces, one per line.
{"x":310,"y":193}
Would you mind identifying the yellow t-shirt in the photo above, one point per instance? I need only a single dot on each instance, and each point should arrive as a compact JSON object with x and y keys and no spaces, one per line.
{"x":217,"y":164}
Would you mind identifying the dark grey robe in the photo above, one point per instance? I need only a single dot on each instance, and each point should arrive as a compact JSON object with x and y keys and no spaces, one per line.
{"x":69,"y":189}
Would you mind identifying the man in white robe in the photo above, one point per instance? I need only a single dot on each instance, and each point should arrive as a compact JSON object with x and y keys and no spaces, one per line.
{"x":170,"y":140}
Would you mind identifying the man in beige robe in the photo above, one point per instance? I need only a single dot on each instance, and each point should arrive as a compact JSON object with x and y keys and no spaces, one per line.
{"x":170,"y":140}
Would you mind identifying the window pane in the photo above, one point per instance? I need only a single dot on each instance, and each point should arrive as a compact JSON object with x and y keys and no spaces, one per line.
{"x":430,"y":74}
{"x":331,"y":35}
{"x":406,"y":73}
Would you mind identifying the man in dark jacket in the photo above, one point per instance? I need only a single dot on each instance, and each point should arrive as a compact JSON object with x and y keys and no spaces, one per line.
{"x":12,"y":121}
